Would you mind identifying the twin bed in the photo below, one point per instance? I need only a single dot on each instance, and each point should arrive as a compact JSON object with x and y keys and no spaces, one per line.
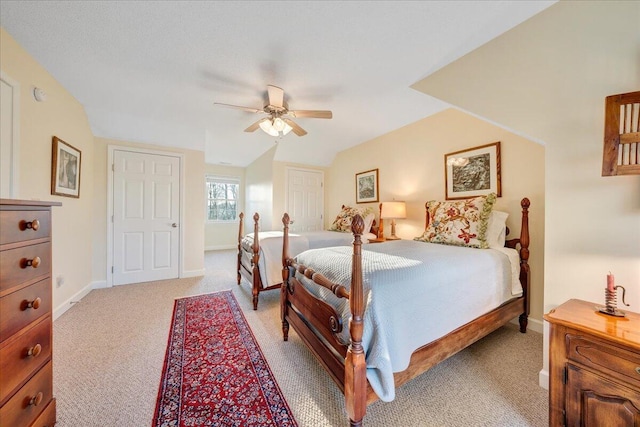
{"x":424,"y":302}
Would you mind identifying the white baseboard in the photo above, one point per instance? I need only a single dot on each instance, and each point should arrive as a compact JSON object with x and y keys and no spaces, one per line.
{"x":99,"y":284}
{"x":220,"y":247}
{"x":543,"y":379}
{"x":62,"y":308}
{"x":192,"y":273}
{"x":534,"y":325}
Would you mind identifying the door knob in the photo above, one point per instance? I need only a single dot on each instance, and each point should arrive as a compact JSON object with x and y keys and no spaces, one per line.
{"x":174,"y":225}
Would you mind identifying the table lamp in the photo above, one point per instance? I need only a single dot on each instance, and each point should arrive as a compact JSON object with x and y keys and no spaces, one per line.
{"x":393,"y":210}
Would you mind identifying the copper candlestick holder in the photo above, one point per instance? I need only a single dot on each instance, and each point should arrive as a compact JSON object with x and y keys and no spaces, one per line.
{"x":611,"y":302}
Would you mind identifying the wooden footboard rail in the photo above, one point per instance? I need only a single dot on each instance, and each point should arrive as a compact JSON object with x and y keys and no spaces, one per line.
{"x":317,"y":323}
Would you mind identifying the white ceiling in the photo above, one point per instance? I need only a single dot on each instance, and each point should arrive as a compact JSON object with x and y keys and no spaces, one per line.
{"x":150,"y":71}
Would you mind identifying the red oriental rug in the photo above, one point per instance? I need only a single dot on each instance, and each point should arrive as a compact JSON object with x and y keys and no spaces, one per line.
{"x":214,"y":371}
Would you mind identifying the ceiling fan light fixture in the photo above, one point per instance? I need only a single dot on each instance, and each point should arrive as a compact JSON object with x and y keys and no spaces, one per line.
{"x":268,"y":128}
{"x":275,"y":127}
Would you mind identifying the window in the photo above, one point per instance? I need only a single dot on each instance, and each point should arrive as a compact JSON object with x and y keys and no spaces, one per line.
{"x":222,"y":198}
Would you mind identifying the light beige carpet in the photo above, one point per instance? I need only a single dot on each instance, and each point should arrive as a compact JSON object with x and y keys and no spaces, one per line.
{"x":109,"y":350}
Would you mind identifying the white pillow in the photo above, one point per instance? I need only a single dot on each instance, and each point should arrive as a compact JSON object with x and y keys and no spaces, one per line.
{"x":497,"y":229}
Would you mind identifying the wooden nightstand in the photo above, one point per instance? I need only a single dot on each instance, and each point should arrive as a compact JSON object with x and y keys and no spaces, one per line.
{"x":377,"y":240}
{"x":594,"y":366}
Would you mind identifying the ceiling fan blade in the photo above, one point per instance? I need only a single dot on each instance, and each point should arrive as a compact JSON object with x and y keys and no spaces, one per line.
{"x":318,"y":114}
{"x":237,"y":107}
{"x":256,"y":125}
{"x":294,"y":127}
{"x":276,"y":96}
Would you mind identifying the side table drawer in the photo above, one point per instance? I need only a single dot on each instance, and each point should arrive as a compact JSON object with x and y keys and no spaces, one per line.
{"x":22,"y":355}
{"x":29,"y":402}
{"x":22,"y":264}
{"x":610,"y":360}
{"x":15,"y":310}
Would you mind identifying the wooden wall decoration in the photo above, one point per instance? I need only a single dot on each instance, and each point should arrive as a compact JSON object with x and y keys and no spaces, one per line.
{"x":621,"y":154}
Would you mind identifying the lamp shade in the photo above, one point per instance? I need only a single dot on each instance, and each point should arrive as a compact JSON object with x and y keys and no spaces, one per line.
{"x":393,"y":210}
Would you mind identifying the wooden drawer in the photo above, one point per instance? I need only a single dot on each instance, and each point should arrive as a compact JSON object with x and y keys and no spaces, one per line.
{"x":15,"y":268}
{"x":48,"y":417}
{"x":15,"y":312}
{"x":22,"y":409}
{"x":18,"y":226}
{"x":22,"y":355}
{"x":610,"y":360}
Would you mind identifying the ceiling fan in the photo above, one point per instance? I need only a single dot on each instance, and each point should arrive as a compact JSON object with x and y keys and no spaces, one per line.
{"x":278,"y":121}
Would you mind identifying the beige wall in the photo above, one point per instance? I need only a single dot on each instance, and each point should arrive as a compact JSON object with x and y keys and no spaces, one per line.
{"x":548,"y":78}
{"x":193,"y":207}
{"x":223,"y":235}
{"x":411,"y":168}
{"x":62,"y":116}
{"x":259,"y":191}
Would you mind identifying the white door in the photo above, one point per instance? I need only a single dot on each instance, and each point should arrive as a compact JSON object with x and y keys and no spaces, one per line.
{"x":146,"y":217}
{"x":9,"y":135}
{"x":305,"y":199}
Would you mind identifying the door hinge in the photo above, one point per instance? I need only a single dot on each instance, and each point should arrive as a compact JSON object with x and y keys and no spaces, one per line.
{"x":112,"y":269}
{"x":565,"y":375}
{"x":113,"y":167}
{"x":111,"y":218}
{"x":564,"y":417}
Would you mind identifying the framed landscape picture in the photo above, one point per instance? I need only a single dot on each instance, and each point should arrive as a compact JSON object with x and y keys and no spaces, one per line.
{"x":65,"y":169}
{"x":367,"y":186}
{"x":473,"y":172}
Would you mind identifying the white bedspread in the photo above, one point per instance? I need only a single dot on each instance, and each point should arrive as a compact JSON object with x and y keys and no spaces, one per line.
{"x":415,"y":292}
{"x":270,"y":263}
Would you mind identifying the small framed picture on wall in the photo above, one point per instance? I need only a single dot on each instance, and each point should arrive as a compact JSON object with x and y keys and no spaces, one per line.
{"x":367,"y":186}
{"x":65,"y":169}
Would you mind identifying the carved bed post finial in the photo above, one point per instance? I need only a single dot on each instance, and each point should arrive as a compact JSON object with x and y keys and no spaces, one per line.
{"x":255,"y":260}
{"x":240,"y":234}
{"x":285,"y":276}
{"x":524,"y":263}
{"x":355,"y":380}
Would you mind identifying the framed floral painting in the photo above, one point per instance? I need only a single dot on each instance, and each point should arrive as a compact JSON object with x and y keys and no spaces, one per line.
{"x":367,"y":186}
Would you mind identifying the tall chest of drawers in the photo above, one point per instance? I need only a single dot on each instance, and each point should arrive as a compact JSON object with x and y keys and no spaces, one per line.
{"x":26,"y":380}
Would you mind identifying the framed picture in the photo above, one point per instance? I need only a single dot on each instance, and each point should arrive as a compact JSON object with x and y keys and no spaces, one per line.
{"x":367,"y":186}
{"x":65,"y":169}
{"x":473,"y":172}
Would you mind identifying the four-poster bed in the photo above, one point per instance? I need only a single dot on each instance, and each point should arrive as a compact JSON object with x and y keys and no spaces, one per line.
{"x":322,"y":327}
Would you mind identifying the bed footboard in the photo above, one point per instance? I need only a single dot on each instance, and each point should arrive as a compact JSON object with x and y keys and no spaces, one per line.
{"x":251,"y":272}
{"x":308,"y":314}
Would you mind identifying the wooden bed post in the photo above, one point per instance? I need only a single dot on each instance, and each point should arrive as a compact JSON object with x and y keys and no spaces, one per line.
{"x":254,"y":261}
{"x":355,"y":372}
{"x":525,"y":272}
{"x":285,"y":276}
{"x":240,"y":234}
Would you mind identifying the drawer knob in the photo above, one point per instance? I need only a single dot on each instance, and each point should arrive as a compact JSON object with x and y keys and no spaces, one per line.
{"x":36,"y":400}
{"x":35,"y":262}
{"x":638,"y":370}
{"x":34,"y":225}
{"x":35,"y":304}
{"x":34,"y":351}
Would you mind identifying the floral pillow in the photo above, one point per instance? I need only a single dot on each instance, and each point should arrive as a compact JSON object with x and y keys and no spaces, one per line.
{"x":459,"y":222}
{"x":342,"y":222}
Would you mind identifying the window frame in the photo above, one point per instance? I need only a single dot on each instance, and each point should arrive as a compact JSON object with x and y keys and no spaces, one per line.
{"x":223,"y":180}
